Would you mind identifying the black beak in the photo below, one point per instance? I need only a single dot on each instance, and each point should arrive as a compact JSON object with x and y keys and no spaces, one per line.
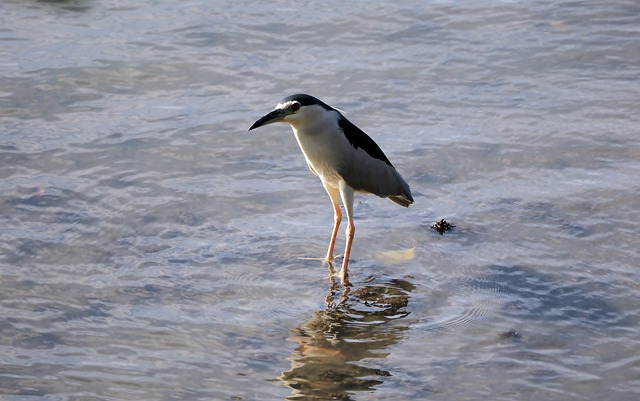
{"x":274,"y":116}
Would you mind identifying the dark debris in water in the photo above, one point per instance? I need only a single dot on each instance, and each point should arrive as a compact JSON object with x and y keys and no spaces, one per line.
{"x":510,"y":335}
{"x":442,"y":226}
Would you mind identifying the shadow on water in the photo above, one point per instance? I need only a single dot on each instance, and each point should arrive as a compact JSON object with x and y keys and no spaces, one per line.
{"x":358,"y":324}
{"x":71,"y":5}
{"x":524,"y":294}
{"x":540,"y":296}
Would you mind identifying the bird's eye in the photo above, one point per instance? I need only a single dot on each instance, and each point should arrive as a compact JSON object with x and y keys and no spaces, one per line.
{"x":295,"y":106}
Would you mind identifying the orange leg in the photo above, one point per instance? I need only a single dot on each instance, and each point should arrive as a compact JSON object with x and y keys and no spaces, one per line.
{"x":337,"y":218}
{"x":347,"y":195}
{"x":351,"y":232}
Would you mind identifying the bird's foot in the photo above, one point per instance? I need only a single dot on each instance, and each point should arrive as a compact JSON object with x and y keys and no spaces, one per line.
{"x":343,"y":273}
{"x":306,"y":258}
{"x":344,"y":277}
{"x":329,"y":261}
{"x":330,"y":258}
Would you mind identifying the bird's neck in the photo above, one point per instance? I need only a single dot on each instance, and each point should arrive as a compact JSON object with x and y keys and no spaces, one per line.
{"x":323,"y":123}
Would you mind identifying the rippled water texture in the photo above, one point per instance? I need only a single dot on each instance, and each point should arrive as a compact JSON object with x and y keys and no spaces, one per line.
{"x":153,"y":249}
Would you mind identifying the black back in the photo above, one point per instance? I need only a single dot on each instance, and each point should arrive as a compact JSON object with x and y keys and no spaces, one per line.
{"x":356,"y":137}
{"x":359,"y":139}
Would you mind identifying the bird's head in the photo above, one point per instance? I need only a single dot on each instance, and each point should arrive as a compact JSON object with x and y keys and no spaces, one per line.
{"x":295,"y":110}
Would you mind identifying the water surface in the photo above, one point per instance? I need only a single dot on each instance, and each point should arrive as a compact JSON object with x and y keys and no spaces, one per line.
{"x":151,"y":248}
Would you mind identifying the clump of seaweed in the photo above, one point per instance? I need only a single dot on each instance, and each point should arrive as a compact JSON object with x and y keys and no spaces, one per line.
{"x":442,"y":226}
{"x":511,"y":335}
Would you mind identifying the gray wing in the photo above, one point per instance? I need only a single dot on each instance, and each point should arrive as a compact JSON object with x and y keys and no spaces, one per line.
{"x":366,"y":168}
{"x":368,"y":174}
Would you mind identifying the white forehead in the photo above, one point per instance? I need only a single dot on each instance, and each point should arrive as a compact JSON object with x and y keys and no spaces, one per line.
{"x":285,"y":105}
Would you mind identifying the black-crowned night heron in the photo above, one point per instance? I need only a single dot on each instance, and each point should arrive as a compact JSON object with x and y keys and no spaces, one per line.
{"x":345,"y":158}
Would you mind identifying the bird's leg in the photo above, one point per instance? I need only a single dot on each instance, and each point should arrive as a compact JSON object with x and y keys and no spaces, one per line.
{"x":337,"y":218}
{"x":347,"y":193}
{"x":351,"y":231}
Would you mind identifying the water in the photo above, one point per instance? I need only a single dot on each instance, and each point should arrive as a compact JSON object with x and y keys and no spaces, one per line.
{"x":151,"y":248}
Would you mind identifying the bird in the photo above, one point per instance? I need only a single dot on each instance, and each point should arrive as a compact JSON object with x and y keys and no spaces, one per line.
{"x":344,"y":157}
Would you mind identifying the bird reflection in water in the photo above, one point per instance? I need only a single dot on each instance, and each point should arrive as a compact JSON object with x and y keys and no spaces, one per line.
{"x":357,"y":324}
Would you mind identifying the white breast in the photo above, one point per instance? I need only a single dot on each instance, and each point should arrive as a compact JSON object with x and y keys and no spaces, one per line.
{"x":324,"y":145}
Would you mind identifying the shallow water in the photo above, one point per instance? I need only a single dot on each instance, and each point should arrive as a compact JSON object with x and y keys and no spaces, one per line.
{"x":151,"y":248}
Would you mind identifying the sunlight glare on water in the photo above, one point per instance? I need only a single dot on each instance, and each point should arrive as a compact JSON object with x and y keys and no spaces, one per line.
{"x":152,"y":248}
